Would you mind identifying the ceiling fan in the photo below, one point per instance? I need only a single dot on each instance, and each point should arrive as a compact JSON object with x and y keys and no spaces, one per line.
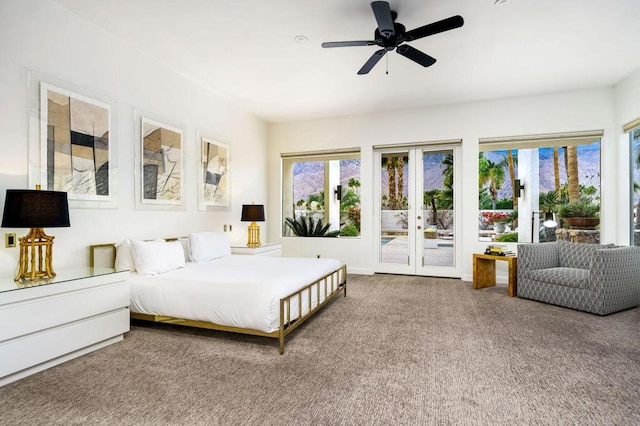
{"x":391,"y":35}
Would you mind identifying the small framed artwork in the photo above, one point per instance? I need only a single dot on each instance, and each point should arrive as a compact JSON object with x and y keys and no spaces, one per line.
{"x":76,"y":148}
{"x":160,"y":163}
{"x":214,"y":174}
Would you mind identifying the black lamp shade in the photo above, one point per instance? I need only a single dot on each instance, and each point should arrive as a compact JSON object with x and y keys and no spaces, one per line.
{"x":24,"y":208}
{"x":252,"y":213}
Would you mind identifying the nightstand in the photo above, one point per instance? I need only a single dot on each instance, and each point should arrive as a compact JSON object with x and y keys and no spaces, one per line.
{"x":271,"y":250}
{"x":50,"y":321}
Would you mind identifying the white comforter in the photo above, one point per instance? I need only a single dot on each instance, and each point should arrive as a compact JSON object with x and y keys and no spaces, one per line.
{"x":237,"y":291}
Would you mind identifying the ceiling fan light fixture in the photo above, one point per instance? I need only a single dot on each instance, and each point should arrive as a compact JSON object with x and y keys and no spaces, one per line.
{"x":390,"y":35}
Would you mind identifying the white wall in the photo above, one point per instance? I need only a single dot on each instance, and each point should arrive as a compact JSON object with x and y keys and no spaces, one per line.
{"x":627,"y":107}
{"x":39,"y":35}
{"x":550,"y":113}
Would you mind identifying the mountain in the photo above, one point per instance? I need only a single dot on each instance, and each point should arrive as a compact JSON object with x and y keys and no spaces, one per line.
{"x":309,"y":175}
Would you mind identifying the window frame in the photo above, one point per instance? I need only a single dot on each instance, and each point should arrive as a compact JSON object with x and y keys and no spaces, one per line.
{"x":528,"y":208}
{"x":288,"y":160}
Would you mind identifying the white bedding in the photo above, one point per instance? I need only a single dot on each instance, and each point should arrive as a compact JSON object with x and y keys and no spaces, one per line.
{"x":237,"y":291}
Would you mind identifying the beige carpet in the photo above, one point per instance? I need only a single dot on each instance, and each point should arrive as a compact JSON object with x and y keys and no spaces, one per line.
{"x":397,"y":351}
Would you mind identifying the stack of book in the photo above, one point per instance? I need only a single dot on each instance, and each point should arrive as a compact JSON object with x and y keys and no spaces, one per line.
{"x":498,"y":250}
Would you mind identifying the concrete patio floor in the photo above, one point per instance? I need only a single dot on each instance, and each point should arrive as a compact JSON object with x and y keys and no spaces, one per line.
{"x":396,"y":250}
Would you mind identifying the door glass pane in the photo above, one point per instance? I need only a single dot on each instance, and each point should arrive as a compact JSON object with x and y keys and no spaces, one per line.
{"x":634,"y":136}
{"x":393,"y":208}
{"x":437,"y":190}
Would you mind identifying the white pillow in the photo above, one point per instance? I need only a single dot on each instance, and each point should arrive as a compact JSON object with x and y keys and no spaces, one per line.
{"x":156,"y":257}
{"x":124,"y":257}
{"x":205,"y":246}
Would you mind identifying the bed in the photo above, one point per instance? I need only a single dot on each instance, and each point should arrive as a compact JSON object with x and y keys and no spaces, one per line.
{"x":263,"y":296}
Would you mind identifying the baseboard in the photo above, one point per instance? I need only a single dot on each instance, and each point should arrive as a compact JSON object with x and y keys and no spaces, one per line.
{"x":359,"y":271}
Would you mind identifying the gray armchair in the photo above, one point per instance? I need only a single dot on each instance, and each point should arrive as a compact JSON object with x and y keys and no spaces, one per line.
{"x":600,"y":279}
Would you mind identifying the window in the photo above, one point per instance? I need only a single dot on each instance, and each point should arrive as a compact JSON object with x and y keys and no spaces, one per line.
{"x":321,"y":189}
{"x":633,"y":129}
{"x":558,"y":177}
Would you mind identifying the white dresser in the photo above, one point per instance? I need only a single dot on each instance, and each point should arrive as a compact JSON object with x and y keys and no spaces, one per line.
{"x":272,"y":250}
{"x":52,"y":321}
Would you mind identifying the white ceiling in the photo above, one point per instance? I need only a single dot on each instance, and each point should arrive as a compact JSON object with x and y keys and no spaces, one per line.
{"x":245,"y":50}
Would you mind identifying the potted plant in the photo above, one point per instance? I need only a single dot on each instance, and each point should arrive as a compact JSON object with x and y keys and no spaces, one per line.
{"x":430,"y":237}
{"x":500,"y":222}
{"x":430,"y":232}
{"x":580,"y":214}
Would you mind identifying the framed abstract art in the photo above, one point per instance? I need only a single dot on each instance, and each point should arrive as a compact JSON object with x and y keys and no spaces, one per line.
{"x":213,"y":174}
{"x":76,"y":148}
{"x":161,"y":173}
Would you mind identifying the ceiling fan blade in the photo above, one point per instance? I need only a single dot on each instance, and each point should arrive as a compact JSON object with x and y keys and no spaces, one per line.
{"x":434,"y":28}
{"x":372,"y":61}
{"x":382,"y":12}
{"x":415,"y":55}
{"x":348,"y":43}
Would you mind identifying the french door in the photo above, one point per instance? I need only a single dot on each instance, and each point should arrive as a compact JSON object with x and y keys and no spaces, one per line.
{"x":415,"y":215}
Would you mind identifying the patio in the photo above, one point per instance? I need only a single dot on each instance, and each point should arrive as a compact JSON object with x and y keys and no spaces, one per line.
{"x":395,"y":249}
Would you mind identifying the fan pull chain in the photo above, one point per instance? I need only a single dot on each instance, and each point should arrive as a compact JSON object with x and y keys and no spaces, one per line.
{"x":387,"y":57}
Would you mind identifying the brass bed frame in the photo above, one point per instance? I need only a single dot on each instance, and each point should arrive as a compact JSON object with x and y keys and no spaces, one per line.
{"x":329,"y":285}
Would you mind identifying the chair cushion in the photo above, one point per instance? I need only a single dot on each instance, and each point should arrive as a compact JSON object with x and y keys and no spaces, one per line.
{"x":569,"y":277}
{"x":578,"y":255}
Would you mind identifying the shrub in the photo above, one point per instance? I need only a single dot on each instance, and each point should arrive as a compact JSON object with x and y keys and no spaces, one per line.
{"x":308,"y":227}
{"x":508,"y":238}
{"x":349,"y":231}
{"x":579,"y":209}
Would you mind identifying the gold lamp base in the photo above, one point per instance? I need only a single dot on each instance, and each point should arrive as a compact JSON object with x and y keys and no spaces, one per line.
{"x":36,"y":256}
{"x":254,"y":235}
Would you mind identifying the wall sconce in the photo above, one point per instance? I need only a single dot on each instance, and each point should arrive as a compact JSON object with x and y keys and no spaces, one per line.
{"x":253,"y":213}
{"x":549,"y":221}
{"x":338,"y":192}
{"x":35,"y":209}
{"x":518,"y":188}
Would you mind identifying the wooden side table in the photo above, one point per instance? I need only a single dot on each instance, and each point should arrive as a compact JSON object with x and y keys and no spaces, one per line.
{"x":484,"y":271}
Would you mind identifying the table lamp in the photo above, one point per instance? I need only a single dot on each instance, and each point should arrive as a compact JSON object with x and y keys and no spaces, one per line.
{"x":253,"y":213}
{"x":35,"y":209}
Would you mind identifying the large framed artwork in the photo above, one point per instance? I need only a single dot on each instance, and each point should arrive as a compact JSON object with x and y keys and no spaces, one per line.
{"x":214,"y":174}
{"x":160,"y":163}
{"x":71,"y":148}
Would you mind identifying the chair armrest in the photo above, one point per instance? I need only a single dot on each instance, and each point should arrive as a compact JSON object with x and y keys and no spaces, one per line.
{"x":614,"y":279}
{"x":537,"y":256}
{"x":611,"y":268}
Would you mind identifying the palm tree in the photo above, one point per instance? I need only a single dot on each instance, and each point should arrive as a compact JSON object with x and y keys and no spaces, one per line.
{"x":556,"y":168}
{"x":354,"y":183}
{"x":318,"y":198}
{"x":389,"y":163}
{"x":400,"y":166}
{"x":573,"y":183}
{"x":429,"y":199}
{"x":446,"y":195}
{"x":512,"y":177}
{"x":493,"y":175}
{"x":349,"y":199}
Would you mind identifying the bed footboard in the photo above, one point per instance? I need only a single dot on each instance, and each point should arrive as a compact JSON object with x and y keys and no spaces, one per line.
{"x":295,"y":308}
{"x":324,"y":289}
